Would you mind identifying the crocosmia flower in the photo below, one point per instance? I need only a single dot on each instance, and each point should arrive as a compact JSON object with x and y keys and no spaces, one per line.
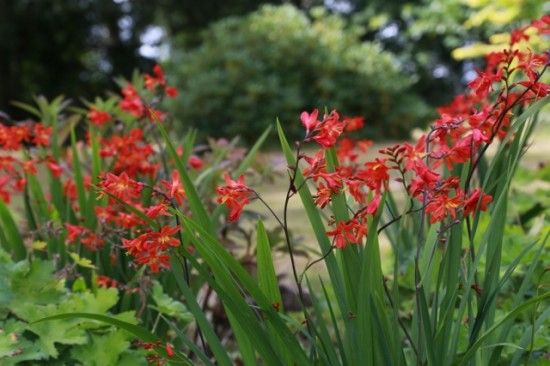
{"x":235,"y":195}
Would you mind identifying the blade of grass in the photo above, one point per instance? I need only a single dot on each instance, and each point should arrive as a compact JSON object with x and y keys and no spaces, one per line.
{"x":13,"y":243}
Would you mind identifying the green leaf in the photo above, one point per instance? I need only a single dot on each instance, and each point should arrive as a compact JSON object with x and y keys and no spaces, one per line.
{"x":168,"y":306}
{"x":223,"y":265}
{"x":267,"y":279}
{"x":512,"y":314}
{"x":107,"y":349}
{"x":82,"y":262}
{"x":136,"y":330}
{"x":12,"y":241}
{"x":213,"y":341}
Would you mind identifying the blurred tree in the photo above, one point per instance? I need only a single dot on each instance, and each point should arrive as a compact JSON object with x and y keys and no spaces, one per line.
{"x":71,"y":47}
{"x":76,"y":47}
{"x":188,"y":18}
{"x":277,"y":62}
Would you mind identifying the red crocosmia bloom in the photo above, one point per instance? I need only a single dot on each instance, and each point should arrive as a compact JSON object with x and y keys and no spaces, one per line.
{"x":164,"y":238}
{"x":235,"y":195}
{"x":416,"y":153}
{"x":54,"y":168}
{"x":152,"y":81}
{"x":12,"y":138}
{"x":355,"y":188}
{"x":441,"y":206}
{"x":7,"y":164}
{"x":481,"y":85}
{"x":317,"y":165}
{"x":334,"y":180}
{"x":41,"y":135}
{"x":132,"y":102}
{"x":92,"y":241}
{"x":324,"y":193}
{"x":542,"y":24}
{"x":372,"y":207}
{"x":169,"y":350}
{"x":4,"y":194}
{"x":425,"y":179}
{"x":127,"y":220}
{"x":74,"y":232}
{"x":171,"y":91}
{"x":354,"y":123}
{"x":149,"y":248}
{"x":537,"y":89}
{"x":348,"y":232}
{"x":155,"y":115}
{"x":195,"y":162}
{"x":20,"y":184}
{"x":97,"y":117}
{"x":518,"y":35}
{"x":329,"y":130}
{"x":175,"y":188}
{"x":531,"y":62}
{"x":121,"y":186}
{"x":156,"y":211}
{"x":105,"y":281}
{"x":155,"y":259}
{"x":29,"y":166}
{"x":346,"y":150}
{"x":70,"y":189}
{"x":375,"y":175}
{"x":475,"y":199}
{"x":309,"y":120}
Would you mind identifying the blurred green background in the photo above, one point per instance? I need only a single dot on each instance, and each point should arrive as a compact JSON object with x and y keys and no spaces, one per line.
{"x":241,"y":64}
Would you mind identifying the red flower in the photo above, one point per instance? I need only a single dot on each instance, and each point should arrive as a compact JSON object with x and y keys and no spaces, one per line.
{"x":442,"y":206}
{"x":375,"y":175}
{"x":70,"y":189}
{"x":309,"y":120}
{"x":54,"y":168}
{"x":105,"y":281}
{"x":163,"y":239}
{"x":169,"y":350}
{"x":354,"y":123}
{"x":475,"y":199}
{"x":88,"y":238}
{"x":97,"y":117}
{"x":324,"y":193}
{"x":4,"y":194}
{"x":195,"y":162}
{"x":235,"y":195}
{"x":152,"y":82}
{"x":171,"y":91}
{"x":348,"y":232}
{"x":132,"y":102}
{"x":425,"y":179}
{"x":481,"y":85}
{"x":41,"y":135}
{"x":175,"y":188}
{"x":157,"y":210}
{"x":121,"y":186}
{"x":329,"y":130}
{"x":373,"y":205}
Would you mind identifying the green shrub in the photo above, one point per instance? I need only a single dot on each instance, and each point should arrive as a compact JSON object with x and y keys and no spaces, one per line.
{"x":278,"y":62}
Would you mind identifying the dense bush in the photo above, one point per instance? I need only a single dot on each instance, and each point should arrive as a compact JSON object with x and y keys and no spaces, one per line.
{"x":276,"y":61}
